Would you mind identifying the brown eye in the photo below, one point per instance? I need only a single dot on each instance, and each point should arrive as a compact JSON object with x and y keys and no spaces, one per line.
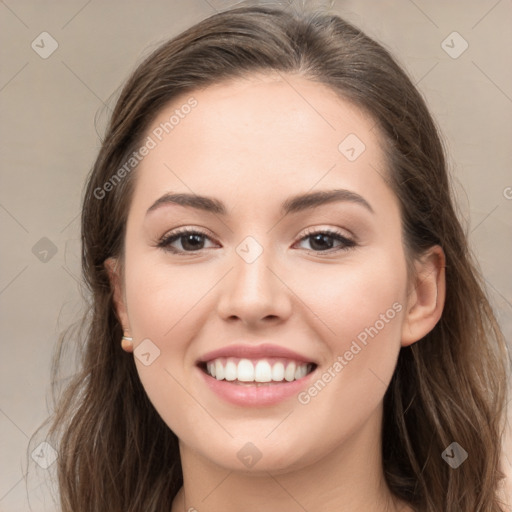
{"x":190,"y":241}
{"x":323,"y":241}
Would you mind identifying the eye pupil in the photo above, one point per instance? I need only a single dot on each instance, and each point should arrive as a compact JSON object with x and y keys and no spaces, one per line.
{"x":186,"y":239}
{"x":319,"y":237}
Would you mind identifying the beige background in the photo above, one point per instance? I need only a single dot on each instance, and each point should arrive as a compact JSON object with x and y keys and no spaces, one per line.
{"x":49,"y":141}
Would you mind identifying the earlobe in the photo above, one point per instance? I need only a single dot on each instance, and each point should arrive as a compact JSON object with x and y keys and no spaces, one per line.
{"x":112,"y":267}
{"x":426,"y":298}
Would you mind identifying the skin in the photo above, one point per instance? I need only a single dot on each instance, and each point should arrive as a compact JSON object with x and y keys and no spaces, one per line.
{"x":252,"y":143}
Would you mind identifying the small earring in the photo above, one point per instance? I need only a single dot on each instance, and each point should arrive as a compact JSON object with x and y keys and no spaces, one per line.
{"x":127,"y":344}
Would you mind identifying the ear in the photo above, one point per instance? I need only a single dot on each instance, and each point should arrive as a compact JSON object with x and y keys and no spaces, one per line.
{"x":425,"y":301}
{"x":112,"y":267}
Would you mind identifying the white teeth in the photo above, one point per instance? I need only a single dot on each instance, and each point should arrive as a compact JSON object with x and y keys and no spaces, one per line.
{"x":211,"y":369}
{"x":278,"y":372}
{"x":263,"y":372}
{"x":230,"y":371}
{"x":289,"y":373}
{"x":245,"y":370}
{"x":219,"y":370}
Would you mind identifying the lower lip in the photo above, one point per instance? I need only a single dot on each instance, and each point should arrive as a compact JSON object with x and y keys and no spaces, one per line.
{"x":251,"y":395}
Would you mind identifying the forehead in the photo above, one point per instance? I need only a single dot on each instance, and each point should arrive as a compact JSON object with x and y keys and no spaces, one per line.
{"x":273,"y":110}
{"x":260,"y":136}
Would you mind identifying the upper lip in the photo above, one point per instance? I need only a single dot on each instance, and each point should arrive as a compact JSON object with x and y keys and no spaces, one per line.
{"x":254,"y":352}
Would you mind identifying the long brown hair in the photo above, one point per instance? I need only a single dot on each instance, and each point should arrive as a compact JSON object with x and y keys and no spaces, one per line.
{"x":115,"y":453}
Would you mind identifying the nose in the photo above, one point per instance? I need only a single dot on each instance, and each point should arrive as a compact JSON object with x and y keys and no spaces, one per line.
{"x":254,"y":293}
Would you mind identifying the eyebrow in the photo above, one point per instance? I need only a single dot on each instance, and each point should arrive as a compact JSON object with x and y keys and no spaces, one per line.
{"x":293,"y":204}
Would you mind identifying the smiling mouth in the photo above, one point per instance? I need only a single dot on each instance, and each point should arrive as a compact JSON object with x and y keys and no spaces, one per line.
{"x":251,"y":372}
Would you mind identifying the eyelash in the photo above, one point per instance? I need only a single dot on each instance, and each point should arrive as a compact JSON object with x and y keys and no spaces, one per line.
{"x":165,"y":241}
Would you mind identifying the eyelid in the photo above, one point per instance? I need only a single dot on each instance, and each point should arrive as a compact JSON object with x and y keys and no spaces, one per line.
{"x":345,"y":233}
{"x":185,"y":229}
{"x":309,"y":231}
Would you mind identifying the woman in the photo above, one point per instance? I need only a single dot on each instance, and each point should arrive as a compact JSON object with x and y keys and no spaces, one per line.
{"x":285,"y":313}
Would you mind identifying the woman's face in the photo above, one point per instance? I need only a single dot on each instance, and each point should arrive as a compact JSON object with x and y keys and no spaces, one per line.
{"x":261,"y":273}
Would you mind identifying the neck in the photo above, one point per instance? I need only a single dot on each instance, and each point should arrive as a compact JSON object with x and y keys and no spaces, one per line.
{"x":348,"y":479}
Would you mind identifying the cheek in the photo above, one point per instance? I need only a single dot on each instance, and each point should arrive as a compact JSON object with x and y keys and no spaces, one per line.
{"x":163,"y":304}
{"x":361,"y":309}
{"x":168,"y":305}
{"x":350,"y":299}
{"x":161,"y":298}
